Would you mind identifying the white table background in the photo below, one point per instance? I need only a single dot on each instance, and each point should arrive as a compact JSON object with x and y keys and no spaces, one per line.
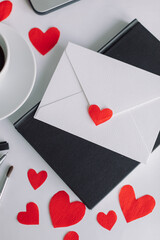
{"x":90,"y":23}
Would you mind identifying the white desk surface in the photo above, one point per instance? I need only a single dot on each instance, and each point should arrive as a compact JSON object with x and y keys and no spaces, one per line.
{"x":90,"y":23}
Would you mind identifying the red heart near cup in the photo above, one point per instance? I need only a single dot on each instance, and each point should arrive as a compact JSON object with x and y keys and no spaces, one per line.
{"x":44,"y":41}
{"x":5,"y":9}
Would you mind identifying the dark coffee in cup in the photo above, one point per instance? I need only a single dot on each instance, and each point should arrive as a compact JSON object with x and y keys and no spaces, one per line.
{"x":2,"y":58}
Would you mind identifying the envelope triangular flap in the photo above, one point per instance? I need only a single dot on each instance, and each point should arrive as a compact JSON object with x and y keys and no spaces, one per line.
{"x":111,"y":83}
{"x":63,"y":83}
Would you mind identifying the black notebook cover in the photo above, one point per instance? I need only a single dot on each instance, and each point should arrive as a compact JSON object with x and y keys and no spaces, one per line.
{"x":89,"y":170}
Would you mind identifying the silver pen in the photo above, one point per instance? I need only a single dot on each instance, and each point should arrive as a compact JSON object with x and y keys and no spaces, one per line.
{"x":10,"y":169}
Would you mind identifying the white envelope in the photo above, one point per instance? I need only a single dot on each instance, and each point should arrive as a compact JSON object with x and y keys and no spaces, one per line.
{"x":84,"y":77}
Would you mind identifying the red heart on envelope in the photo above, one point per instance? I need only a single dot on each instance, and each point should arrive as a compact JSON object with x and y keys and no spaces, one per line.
{"x":5,"y":9}
{"x":133,"y":208}
{"x":31,"y":216}
{"x":63,"y":213}
{"x":107,"y":221}
{"x":36,"y":179}
{"x":44,"y":42}
{"x":99,"y":116}
{"x":71,"y":236}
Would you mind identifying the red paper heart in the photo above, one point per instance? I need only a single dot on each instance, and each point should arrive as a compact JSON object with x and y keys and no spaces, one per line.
{"x":71,"y":236}
{"x":36,"y":179}
{"x":44,"y":42}
{"x":99,"y":116}
{"x":5,"y":9}
{"x":107,"y":221}
{"x":133,"y":208}
{"x":31,"y":216}
{"x":63,"y":213}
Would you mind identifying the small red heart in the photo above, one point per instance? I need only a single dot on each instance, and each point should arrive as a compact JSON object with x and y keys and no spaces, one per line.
{"x":63,"y":213}
{"x":5,"y":9}
{"x":107,"y":221}
{"x":31,"y":216}
{"x":133,"y":208}
{"x":99,"y":116}
{"x":44,"y":42}
{"x":71,"y":236}
{"x":36,"y":179}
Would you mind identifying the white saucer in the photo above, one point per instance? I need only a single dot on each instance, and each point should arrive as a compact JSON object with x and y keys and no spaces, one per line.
{"x":19,"y":80}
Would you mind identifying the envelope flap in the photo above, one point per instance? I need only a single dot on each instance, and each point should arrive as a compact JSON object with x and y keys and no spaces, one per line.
{"x":110,"y":83}
{"x":63,"y":83}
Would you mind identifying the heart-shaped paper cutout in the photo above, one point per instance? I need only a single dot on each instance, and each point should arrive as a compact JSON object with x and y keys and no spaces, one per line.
{"x":107,"y":221}
{"x":71,"y":236}
{"x":31,"y":216}
{"x":5,"y":9}
{"x":133,"y":208}
{"x":44,"y":42}
{"x":99,"y":116}
{"x":63,"y":213}
{"x":36,"y":179}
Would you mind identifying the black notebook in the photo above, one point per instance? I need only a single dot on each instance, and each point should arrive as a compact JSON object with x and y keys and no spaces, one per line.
{"x":89,"y":170}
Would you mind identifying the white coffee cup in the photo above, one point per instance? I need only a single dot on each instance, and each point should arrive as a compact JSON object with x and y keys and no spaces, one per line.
{"x":5,"y":48}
